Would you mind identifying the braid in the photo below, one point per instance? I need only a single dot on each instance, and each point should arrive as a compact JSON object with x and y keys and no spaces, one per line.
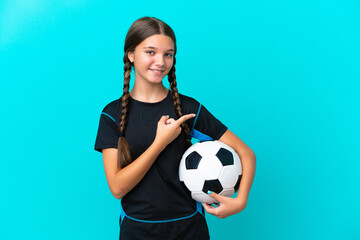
{"x":177,"y":103}
{"x":124,"y":155}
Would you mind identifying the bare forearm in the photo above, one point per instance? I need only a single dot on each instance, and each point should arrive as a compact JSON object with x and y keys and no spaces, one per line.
{"x":127,"y":178}
{"x":248,"y":166}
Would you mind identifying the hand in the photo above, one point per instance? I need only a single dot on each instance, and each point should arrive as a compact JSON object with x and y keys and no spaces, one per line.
{"x":168,"y":129}
{"x":169,"y":121}
{"x":227,"y":206}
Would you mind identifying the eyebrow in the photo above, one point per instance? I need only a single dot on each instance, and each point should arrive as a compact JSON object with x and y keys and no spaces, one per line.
{"x":156,"y":48}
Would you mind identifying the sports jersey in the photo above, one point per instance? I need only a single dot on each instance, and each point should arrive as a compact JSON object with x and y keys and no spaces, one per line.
{"x":159,"y":196}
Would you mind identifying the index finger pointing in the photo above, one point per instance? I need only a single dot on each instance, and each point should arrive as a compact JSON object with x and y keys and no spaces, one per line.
{"x":184,"y":118}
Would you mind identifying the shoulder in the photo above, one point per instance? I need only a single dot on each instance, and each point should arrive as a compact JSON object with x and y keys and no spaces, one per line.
{"x":188,"y":104}
{"x":113,"y":109}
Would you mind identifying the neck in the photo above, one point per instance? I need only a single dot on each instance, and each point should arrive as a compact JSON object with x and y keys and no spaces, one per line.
{"x":154,"y":93}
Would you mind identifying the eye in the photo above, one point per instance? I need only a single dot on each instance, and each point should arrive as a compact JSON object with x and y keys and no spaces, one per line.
{"x":169,"y":54}
{"x":150,"y":52}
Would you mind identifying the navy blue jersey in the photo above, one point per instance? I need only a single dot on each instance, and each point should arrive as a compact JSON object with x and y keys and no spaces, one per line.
{"x":159,"y":195}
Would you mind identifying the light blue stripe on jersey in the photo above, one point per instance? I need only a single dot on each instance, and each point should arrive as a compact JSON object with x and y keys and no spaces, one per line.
{"x":197,"y":115}
{"x":108,"y":116}
{"x":197,"y":134}
{"x":123,"y":215}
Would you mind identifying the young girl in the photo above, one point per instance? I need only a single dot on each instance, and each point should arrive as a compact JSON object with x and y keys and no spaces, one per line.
{"x":143,"y":135}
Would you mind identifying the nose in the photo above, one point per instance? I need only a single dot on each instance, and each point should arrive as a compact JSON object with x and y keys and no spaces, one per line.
{"x":159,"y":60}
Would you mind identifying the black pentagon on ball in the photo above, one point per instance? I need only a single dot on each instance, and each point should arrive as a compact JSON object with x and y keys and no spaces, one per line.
{"x":192,"y":160}
{"x":225,"y":157}
{"x":212,"y":185}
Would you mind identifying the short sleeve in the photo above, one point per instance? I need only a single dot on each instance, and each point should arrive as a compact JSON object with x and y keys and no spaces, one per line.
{"x":107,"y":134}
{"x":208,"y":124}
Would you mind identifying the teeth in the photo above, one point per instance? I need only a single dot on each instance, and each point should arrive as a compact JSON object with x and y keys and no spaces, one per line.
{"x":156,"y":70}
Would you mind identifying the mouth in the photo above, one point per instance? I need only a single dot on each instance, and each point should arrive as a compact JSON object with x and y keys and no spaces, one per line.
{"x":157,"y":71}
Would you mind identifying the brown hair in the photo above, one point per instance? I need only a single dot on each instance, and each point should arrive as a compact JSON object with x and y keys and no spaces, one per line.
{"x":141,"y":29}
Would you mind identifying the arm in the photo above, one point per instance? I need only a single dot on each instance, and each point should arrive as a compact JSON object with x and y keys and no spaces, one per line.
{"x":248,"y":162}
{"x":229,"y":206}
{"x":121,"y":181}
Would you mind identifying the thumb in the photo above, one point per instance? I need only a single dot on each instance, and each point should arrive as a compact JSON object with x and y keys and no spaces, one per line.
{"x":164,"y":118}
{"x":216,"y":196}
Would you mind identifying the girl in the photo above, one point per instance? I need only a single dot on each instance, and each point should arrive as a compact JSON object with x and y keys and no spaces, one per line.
{"x":143,"y":135}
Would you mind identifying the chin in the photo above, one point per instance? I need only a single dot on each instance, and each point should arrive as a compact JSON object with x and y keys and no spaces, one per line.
{"x":156,"y":80}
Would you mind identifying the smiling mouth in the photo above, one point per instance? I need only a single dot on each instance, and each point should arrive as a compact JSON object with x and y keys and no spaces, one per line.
{"x":156,"y":70}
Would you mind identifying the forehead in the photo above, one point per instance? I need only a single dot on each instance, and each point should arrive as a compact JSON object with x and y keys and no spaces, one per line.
{"x":159,"y":41}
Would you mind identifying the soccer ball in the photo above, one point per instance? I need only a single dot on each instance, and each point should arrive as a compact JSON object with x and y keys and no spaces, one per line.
{"x":210,"y":165}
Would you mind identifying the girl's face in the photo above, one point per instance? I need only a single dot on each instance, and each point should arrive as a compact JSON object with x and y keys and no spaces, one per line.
{"x":153,"y":58}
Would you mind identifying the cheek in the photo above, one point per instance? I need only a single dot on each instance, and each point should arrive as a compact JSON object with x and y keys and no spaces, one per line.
{"x":143,"y":60}
{"x":146,"y":62}
{"x":169,"y":63}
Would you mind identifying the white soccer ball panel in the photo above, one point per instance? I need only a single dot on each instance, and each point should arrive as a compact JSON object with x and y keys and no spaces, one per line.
{"x":237,"y":163}
{"x":228,"y":176}
{"x":228,"y":192}
{"x":207,"y":148}
{"x":202,"y":197}
{"x":182,"y":170}
{"x":193,"y":180}
{"x":210,"y":167}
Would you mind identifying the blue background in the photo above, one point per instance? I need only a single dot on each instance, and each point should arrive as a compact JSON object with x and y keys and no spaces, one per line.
{"x":282,"y":75}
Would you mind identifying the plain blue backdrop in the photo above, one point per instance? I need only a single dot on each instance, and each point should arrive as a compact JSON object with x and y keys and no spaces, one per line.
{"x":282,"y":75}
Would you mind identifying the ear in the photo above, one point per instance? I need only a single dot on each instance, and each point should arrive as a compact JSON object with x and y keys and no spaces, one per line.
{"x":131,"y":56}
